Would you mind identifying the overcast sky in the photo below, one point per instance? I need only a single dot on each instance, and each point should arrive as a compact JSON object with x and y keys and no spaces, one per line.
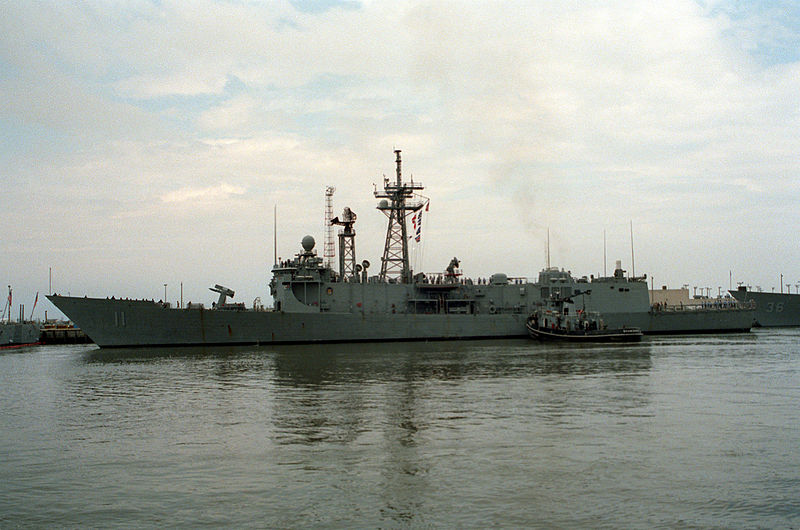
{"x":147,"y":142}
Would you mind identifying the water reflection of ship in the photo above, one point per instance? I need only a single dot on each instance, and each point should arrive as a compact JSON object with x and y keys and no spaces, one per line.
{"x":329,"y":365}
{"x":374,"y":394}
{"x":423,"y":408}
{"x":326,"y":365}
{"x":417,"y":406}
{"x":337,"y":392}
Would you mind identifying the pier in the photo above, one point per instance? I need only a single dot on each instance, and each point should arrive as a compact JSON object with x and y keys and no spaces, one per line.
{"x":62,"y":333}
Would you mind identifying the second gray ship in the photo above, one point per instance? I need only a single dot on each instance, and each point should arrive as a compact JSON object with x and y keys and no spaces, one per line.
{"x":315,"y":303}
{"x":771,"y":309}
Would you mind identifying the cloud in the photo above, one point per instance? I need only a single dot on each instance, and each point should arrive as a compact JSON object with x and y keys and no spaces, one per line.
{"x":172,"y":84}
{"x":517,"y":116}
{"x":204,"y":195}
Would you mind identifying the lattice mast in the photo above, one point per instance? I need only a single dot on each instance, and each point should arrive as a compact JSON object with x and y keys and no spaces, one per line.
{"x":397,"y":205}
{"x":329,"y":249}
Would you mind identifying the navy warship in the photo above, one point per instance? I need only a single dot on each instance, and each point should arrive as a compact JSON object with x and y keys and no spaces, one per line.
{"x":315,"y":303}
{"x":772,"y":309}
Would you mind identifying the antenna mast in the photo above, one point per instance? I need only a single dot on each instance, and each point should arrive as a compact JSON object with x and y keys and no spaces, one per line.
{"x":394,"y":263}
{"x":547,"y":254}
{"x":7,"y":307}
{"x":329,"y":250}
{"x":633,"y":266}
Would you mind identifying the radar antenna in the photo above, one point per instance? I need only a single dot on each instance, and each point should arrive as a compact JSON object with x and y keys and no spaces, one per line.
{"x":394,"y":263}
{"x":347,"y":243}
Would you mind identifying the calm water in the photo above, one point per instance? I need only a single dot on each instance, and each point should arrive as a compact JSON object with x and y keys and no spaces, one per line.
{"x":674,"y":432}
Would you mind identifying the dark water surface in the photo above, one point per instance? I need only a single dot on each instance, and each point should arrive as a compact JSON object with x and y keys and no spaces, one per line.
{"x":695,"y":431}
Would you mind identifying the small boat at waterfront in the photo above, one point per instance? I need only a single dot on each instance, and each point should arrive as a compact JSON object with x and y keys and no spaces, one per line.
{"x":559,"y":320}
{"x":14,"y":334}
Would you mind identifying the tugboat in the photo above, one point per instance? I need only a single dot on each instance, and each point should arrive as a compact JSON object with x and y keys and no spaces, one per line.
{"x":558,"y":320}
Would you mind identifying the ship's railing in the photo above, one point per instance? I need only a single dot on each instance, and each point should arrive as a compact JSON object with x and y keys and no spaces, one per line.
{"x":716,"y":305}
{"x":436,"y":278}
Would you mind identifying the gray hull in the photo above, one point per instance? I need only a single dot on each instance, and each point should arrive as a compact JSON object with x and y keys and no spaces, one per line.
{"x":119,"y":323}
{"x":687,"y":321}
{"x":116,"y":323}
{"x":772,"y":309}
{"x":684,"y":321}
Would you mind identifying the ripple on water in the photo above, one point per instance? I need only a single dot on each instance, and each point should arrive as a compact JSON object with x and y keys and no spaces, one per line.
{"x":675,"y":431}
